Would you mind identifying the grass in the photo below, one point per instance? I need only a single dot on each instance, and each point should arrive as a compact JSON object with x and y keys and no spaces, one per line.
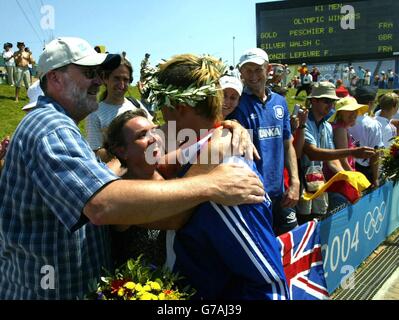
{"x":11,"y":113}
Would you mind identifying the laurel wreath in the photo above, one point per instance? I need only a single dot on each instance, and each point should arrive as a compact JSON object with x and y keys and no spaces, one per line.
{"x":169,"y":95}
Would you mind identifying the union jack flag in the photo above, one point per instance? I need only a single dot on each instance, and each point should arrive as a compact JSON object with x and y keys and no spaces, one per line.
{"x":303,"y":262}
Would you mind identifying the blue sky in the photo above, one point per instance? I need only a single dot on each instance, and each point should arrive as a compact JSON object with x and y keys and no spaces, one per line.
{"x":160,"y":27}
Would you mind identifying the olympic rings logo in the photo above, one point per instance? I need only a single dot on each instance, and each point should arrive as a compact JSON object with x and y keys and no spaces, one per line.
{"x":373,"y":221}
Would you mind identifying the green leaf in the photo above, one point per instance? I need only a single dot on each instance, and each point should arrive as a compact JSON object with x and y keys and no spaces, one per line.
{"x":130,"y":264}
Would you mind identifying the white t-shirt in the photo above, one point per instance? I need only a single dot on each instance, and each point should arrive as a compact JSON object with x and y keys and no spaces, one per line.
{"x":8,"y":54}
{"x":98,"y":121}
{"x":367,"y":131}
{"x":307,"y":79}
{"x":388,"y":130}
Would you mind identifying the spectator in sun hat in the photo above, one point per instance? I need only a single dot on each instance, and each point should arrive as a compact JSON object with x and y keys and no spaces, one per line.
{"x":232,"y":89}
{"x":66,"y":198}
{"x":346,"y":111}
{"x":22,"y":60}
{"x":9,"y":62}
{"x":319,"y":149}
{"x":266,"y":113}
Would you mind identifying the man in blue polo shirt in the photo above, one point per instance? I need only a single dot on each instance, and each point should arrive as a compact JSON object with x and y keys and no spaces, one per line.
{"x":266,"y":114}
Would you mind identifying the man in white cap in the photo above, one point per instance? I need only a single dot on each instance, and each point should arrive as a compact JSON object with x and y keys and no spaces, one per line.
{"x":266,"y":113}
{"x":57,"y":198}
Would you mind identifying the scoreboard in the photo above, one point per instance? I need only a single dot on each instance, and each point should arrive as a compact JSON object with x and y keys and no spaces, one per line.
{"x":316,"y":31}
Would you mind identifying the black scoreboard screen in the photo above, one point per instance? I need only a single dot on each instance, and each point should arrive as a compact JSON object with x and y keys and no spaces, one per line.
{"x":317,"y":31}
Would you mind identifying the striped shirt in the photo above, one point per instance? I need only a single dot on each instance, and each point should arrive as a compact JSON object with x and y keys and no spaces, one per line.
{"x":98,"y":121}
{"x":48,"y":249}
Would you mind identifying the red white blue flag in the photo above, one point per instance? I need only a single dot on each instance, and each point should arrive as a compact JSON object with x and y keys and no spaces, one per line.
{"x":303,"y":262}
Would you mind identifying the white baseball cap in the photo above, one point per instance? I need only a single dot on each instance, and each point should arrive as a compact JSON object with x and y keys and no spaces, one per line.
{"x":66,"y":50}
{"x":231,"y":82}
{"x":254,"y":55}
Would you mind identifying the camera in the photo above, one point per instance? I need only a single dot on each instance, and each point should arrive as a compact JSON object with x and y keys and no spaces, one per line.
{"x":297,"y":109}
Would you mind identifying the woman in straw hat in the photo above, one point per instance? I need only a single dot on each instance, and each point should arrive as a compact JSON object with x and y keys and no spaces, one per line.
{"x":347,"y":110}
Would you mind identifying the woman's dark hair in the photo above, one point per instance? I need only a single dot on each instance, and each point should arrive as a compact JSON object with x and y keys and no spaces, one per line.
{"x":107,"y":72}
{"x":114,"y":137}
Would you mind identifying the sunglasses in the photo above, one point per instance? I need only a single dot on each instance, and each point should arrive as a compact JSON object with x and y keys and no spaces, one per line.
{"x":327,"y":100}
{"x":89,"y":72}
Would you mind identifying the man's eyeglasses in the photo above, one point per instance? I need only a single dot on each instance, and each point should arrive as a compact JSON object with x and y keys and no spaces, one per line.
{"x":89,"y":72}
{"x":327,"y":100}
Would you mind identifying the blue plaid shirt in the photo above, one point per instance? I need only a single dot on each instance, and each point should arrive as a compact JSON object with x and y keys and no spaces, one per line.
{"x":48,"y":249}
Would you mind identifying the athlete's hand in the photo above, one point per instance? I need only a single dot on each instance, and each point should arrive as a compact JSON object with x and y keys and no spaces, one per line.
{"x":241,"y":141}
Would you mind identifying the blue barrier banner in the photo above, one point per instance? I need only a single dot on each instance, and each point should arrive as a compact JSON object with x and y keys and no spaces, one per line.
{"x":350,"y":236}
{"x":394,"y":216}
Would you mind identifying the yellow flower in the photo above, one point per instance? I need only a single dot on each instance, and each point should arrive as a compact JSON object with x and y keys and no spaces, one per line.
{"x":148,"y":296}
{"x":138,"y":287}
{"x":147,"y":288}
{"x":135,"y":280}
{"x":161,"y":296}
{"x":121,"y":292}
{"x":130,"y":285}
{"x":154,"y":285}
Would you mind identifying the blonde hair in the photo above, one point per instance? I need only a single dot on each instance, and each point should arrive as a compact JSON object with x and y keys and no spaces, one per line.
{"x":388,"y":101}
{"x":186,"y":71}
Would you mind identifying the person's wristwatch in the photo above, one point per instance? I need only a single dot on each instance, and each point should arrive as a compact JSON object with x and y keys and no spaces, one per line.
{"x":302,"y":126}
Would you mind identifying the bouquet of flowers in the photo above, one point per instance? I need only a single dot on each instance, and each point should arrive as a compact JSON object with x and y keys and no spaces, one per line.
{"x":135,"y":280}
{"x":390,"y":161}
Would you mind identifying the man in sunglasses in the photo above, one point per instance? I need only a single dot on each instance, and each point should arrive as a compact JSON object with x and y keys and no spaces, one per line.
{"x":57,"y":199}
{"x":319,"y":149}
